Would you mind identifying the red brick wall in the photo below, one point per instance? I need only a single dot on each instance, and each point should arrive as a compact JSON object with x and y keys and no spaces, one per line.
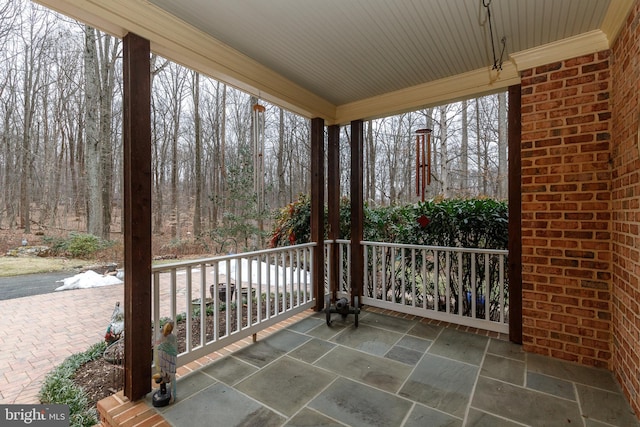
{"x":566,"y":210}
{"x":625,"y":187}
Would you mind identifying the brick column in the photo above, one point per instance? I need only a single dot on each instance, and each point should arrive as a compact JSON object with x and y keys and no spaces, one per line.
{"x":625,"y":191}
{"x":566,"y":210}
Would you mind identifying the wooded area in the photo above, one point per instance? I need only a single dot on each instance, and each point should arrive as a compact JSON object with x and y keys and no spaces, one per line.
{"x":61,"y":141}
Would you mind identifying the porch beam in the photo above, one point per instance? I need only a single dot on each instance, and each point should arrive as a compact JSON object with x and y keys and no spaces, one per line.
{"x":333,"y":202}
{"x":137,"y":216}
{"x":357,"y":210}
{"x":317,"y":208}
{"x":515,"y":216}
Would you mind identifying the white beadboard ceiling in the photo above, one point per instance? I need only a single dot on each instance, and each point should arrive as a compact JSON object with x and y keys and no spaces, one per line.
{"x":347,"y":50}
{"x":348,"y":59}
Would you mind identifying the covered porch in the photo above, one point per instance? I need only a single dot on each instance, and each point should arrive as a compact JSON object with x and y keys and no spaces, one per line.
{"x":573,"y":260}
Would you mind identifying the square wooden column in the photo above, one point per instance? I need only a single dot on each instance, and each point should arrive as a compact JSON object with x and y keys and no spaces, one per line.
{"x":515,"y":216}
{"x":317,"y":208}
{"x":137,"y":216}
{"x":333,"y":202}
{"x":357,"y":211}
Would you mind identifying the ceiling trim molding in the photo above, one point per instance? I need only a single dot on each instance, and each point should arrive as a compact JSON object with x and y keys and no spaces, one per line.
{"x":572,"y":47}
{"x":615,"y":18}
{"x":449,"y":89}
{"x":78,"y":10}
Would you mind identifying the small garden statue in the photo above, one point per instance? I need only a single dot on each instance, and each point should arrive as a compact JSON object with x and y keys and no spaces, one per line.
{"x":116,"y":325}
{"x":167,"y":354}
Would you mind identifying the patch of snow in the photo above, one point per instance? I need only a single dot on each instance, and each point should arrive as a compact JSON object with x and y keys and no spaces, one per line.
{"x":88,"y":279}
{"x":263,"y":273}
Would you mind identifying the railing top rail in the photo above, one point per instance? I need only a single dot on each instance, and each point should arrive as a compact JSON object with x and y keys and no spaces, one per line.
{"x":433,"y":248}
{"x":170,"y":266}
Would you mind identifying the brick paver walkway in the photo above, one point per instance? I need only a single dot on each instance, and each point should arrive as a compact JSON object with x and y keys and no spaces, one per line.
{"x":39,"y":332}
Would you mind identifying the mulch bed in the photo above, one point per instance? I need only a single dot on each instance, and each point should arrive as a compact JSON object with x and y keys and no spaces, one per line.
{"x":101,"y":378}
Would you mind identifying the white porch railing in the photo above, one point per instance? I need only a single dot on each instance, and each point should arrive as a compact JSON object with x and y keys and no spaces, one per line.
{"x":458,"y":285}
{"x":264,"y":287}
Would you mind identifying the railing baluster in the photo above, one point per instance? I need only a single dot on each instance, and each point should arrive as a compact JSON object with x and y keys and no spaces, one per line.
{"x":298,"y":279}
{"x":305,"y":276}
{"x":189,"y":308}
{"x":501,"y":288}
{"x":424,"y":278}
{"x":384,"y":273}
{"x":276,"y":298}
{"x":227,"y":298}
{"x":403,"y":281}
{"x":487,"y":298}
{"x":460,"y":286}
{"x":156,"y":312}
{"x":259,"y":288}
{"x":250,"y":290}
{"x":374,"y":273}
{"x":268,"y":289}
{"x":239,"y":305}
{"x":216,"y":299}
{"x":287,"y":285}
{"x":365,"y":281}
{"x":311,"y":292}
{"x":173,"y":294}
{"x":436,"y":280}
{"x":348,"y":282}
{"x":392,"y":273}
{"x":203,"y":297}
{"x":474,"y":293}
{"x":413,"y":281}
{"x":448,"y":281}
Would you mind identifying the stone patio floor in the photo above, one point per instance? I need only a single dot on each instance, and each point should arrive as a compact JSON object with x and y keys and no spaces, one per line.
{"x":393,"y":371}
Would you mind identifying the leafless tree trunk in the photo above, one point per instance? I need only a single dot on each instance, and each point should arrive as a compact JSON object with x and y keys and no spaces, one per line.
{"x":175,"y":88}
{"x":158,"y":147}
{"x":95,"y":219}
{"x":197,"y":221}
{"x":108,"y":53}
{"x":36,"y":45}
{"x":464,"y":148}
{"x":9,"y":156}
{"x":502,"y":146}
{"x":223,"y":147}
{"x":280,"y":160}
{"x":482,"y":172}
{"x":370,"y":188}
{"x":444,"y":152}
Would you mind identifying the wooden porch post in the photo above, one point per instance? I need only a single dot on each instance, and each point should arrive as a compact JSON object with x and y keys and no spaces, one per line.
{"x":515,"y":217}
{"x":317,"y":208}
{"x":137,"y":216}
{"x":333,"y":202}
{"x":357,"y":211}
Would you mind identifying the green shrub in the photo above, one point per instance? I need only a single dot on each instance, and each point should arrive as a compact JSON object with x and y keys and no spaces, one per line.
{"x":58,"y":387}
{"x":471,"y":223}
{"x":77,"y":245}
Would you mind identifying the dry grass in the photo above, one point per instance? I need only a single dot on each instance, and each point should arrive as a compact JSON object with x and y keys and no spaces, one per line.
{"x":14,"y":266}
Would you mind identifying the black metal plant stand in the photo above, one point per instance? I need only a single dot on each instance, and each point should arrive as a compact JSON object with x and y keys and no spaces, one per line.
{"x":343,"y":308}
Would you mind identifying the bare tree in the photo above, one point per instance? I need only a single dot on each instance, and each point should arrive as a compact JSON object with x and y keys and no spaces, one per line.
{"x":36,"y":44}
{"x":173,"y":79}
{"x":502,"y":146}
{"x":464,"y":149}
{"x":197,"y":211}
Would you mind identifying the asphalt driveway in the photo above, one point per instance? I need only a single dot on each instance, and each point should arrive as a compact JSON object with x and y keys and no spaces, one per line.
{"x":31,"y":284}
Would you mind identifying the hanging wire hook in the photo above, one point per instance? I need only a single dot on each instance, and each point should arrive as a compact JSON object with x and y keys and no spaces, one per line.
{"x":497,"y":65}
